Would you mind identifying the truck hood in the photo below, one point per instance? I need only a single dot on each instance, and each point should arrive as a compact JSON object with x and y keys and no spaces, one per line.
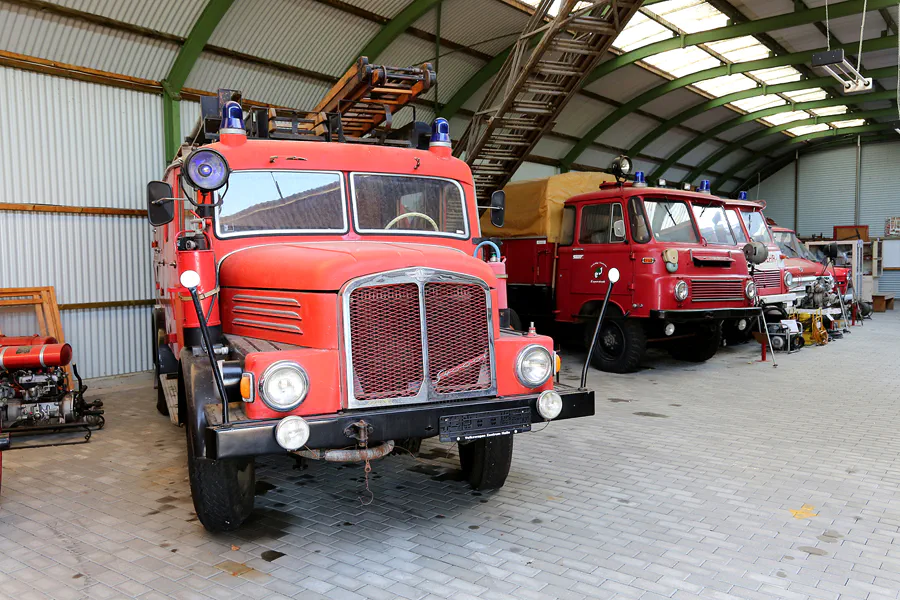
{"x":327,"y":266}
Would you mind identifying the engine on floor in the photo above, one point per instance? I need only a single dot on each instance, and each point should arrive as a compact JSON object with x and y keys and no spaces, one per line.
{"x":821,"y":293}
{"x":34,"y":386}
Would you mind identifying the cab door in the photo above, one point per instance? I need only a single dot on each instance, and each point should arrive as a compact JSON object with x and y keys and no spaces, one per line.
{"x":601,"y":244}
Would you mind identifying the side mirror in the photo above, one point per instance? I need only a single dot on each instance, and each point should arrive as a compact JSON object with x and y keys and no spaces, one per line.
{"x":160,"y":204}
{"x":619,"y":229}
{"x":498,"y":208}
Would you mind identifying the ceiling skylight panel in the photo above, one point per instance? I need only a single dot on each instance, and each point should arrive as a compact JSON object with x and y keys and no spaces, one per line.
{"x":786,"y":117}
{"x":640,"y":32}
{"x":829,"y":110}
{"x":690,"y":16}
{"x":807,"y":95}
{"x":804,"y":129}
{"x":850,"y":123}
{"x":759,"y":102}
{"x":727,"y":84}
{"x":777,"y":75}
{"x":740,"y":49}
{"x":683,"y":61}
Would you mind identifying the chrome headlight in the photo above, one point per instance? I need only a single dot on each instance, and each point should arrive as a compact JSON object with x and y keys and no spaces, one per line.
{"x":534,"y":366}
{"x":750,"y":290}
{"x":292,"y":433}
{"x":549,"y":404}
{"x":788,"y":279}
{"x":681,"y":291}
{"x":283,"y":386}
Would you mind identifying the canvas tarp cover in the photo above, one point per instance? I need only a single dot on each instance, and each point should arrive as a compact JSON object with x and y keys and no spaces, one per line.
{"x":534,"y":206}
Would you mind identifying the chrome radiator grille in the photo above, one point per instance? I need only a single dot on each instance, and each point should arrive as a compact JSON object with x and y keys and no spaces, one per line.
{"x":767,"y":279}
{"x":395,"y":356}
{"x":712,"y":290}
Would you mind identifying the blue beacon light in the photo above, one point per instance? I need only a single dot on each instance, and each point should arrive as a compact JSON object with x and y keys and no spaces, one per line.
{"x":742,"y":195}
{"x":440,"y":133}
{"x":639,"y":180}
{"x":704,"y":187}
{"x":232,"y":118}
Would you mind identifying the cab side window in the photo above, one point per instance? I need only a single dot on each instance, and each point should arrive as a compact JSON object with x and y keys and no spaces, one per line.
{"x":567,"y":235}
{"x":602,"y":224}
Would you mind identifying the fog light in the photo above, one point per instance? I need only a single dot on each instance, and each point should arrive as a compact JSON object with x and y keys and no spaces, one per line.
{"x":742,"y":324}
{"x":292,"y":433}
{"x":549,"y":404}
{"x":670,"y":328}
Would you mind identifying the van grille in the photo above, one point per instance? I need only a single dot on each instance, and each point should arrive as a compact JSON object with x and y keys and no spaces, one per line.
{"x":714,"y":290}
{"x":390,"y":363}
{"x":767,"y":279}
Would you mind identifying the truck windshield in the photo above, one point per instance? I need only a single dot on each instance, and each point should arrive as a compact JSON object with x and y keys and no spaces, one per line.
{"x":714,"y":225}
{"x":266,"y":202}
{"x":390,"y":204}
{"x":670,"y":220}
{"x":792,"y":247}
{"x":756,"y":225}
{"x":735,"y":221}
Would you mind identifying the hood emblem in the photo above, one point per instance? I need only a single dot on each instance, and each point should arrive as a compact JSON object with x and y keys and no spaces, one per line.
{"x":421,"y":275}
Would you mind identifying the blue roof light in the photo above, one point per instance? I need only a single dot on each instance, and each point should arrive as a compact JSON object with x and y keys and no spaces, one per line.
{"x":704,"y":187}
{"x":440,"y":133}
{"x":232,"y":118}
{"x":742,"y":195}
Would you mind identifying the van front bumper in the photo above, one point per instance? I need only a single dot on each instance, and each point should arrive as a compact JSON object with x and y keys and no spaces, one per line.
{"x":704,"y":314}
{"x":242,"y":437}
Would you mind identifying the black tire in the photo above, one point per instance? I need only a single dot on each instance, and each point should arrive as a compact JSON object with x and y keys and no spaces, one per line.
{"x":734,"y":336}
{"x":702,"y":347}
{"x":485,"y":463}
{"x":620,"y":345}
{"x":407,"y":446}
{"x":161,"y":406}
{"x":222,"y":490}
{"x":515,"y":322}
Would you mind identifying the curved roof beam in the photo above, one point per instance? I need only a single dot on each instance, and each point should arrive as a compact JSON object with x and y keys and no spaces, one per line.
{"x":391,"y":30}
{"x":795,"y":58}
{"x":788,"y":158}
{"x":766,"y":112}
{"x":758,"y":135}
{"x":183,"y":65}
{"x":742,"y":95}
{"x":793,"y":19}
{"x":764,"y":152}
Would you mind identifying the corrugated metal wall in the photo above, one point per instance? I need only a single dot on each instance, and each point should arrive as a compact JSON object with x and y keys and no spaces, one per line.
{"x":63,"y":158}
{"x":879,"y":186}
{"x":778,"y":192}
{"x":827,"y":191}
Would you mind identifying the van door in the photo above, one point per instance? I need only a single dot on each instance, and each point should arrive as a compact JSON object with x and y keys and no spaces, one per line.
{"x":603,"y":240}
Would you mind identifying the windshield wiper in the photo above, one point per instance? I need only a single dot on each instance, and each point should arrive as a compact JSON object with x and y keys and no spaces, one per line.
{"x":277,"y":187}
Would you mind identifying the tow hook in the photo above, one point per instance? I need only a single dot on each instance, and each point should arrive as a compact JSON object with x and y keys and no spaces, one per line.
{"x":359,"y":431}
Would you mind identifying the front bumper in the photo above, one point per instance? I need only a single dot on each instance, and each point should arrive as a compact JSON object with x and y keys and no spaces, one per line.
{"x":704,"y":314}
{"x":242,"y":438}
{"x":788,"y":298}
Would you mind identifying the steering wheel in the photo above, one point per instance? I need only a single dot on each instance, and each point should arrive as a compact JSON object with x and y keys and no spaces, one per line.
{"x":396,"y":220}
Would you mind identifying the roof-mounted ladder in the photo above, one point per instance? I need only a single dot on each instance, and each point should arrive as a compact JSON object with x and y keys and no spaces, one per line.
{"x":546,"y":66}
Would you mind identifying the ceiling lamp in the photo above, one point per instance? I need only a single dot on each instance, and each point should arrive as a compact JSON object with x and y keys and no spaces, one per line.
{"x":836,"y":64}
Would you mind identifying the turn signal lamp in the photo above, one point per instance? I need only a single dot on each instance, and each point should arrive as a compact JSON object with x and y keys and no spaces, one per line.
{"x":232,"y":118}
{"x":247,"y":387}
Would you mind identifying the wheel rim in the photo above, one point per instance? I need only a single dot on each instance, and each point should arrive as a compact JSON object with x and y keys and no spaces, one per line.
{"x":611,"y":341}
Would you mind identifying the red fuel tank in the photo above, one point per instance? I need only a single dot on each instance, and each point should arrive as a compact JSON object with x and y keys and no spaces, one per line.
{"x":26,"y":340}
{"x":35,"y":357}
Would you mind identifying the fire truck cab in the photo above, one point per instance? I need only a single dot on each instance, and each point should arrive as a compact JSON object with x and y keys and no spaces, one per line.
{"x":346,"y":310}
{"x":681,"y":276}
{"x":804,"y":265}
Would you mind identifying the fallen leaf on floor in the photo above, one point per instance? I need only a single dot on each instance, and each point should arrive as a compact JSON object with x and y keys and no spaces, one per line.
{"x":233,"y":547}
{"x":804,"y":512}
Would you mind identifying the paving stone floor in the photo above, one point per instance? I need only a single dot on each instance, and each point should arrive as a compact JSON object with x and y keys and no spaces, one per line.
{"x":730,"y":479}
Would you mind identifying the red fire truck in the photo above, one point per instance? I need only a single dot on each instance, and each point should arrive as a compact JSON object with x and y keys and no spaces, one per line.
{"x":681,"y":275}
{"x":318,"y":293}
{"x":805,"y":265}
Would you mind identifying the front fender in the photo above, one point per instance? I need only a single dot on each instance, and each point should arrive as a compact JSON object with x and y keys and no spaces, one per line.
{"x":199,"y":388}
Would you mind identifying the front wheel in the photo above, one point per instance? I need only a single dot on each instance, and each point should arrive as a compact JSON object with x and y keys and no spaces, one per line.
{"x":620,"y":346}
{"x":158,"y":337}
{"x":700,"y":348}
{"x":222,"y":490}
{"x":485,"y":463}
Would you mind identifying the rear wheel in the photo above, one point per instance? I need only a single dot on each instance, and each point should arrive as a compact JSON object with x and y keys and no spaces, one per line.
{"x":222,"y":490}
{"x":485,"y":463}
{"x":619,"y":347}
{"x":161,"y":406}
{"x":702,"y":347}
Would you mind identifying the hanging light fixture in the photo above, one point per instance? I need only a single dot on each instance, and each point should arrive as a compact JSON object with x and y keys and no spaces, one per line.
{"x":835,"y":63}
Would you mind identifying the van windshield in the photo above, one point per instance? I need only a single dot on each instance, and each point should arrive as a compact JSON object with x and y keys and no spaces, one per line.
{"x":670,"y":220}
{"x":756,"y":225}
{"x":714,"y":225}
{"x":388,"y":204}
{"x":267,"y":202}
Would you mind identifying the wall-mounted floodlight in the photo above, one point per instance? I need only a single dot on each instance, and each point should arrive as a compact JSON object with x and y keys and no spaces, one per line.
{"x":836,"y":64}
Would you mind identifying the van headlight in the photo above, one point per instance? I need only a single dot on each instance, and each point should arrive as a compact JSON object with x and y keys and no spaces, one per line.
{"x":788,"y":279}
{"x":283,"y":386}
{"x":750,"y":290}
{"x":534,"y":366}
{"x":681,"y":291}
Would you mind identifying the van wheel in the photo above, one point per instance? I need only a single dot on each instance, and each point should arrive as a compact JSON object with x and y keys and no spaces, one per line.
{"x":485,"y":463}
{"x":620,"y":345}
{"x":161,"y":406}
{"x":702,"y":347}
{"x":734,"y":336}
{"x":222,"y":490}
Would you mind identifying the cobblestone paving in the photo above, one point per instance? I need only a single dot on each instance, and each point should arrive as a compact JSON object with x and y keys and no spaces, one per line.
{"x":730,"y":479}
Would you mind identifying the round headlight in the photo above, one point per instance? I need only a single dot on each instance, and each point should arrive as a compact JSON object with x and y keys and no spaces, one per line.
{"x":750,"y":290}
{"x":292,"y":433}
{"x":534,"y":366}
{"x":206,"y":169}
{"x":283,"y":386}
{"x":549,"y":404}
{"x":681,"y":291}
{"x":788,"y":279}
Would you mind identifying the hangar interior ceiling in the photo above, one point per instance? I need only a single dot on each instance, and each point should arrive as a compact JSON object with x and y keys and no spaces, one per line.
{"x":692,"y":89}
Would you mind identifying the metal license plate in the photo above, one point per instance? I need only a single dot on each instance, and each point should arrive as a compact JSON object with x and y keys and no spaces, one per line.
{"x":476,"y":426}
